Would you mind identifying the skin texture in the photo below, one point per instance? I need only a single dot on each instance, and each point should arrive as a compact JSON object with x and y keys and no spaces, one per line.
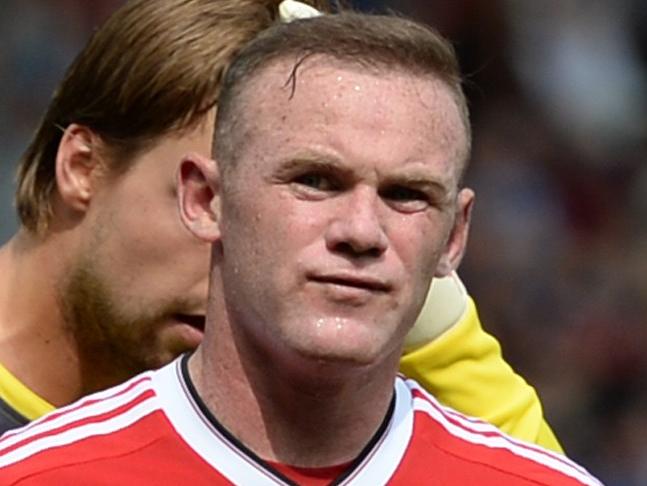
{"x":117,"y":285}
{"x":340,"y":208}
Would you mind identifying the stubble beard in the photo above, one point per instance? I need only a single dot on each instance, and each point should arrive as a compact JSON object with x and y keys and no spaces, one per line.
{"x":111,"y":345}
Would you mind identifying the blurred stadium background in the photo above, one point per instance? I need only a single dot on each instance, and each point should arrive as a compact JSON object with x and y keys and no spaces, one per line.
{"x":558,"y":255}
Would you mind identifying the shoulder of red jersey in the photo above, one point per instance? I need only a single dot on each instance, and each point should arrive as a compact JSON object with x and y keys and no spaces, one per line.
{"x":66,"y":436}
{"x":478,"y":441}
{"x":130,"y":416}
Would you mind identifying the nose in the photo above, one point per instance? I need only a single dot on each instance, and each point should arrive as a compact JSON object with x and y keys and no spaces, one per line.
{"x":356,"y":229}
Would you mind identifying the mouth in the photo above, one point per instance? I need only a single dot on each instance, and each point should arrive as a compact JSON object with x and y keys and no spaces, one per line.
{"x":196,"y":321}
{"x":354,"y":282}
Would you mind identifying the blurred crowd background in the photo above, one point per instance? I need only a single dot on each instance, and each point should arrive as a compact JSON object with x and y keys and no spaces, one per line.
{"x":558,"y":255}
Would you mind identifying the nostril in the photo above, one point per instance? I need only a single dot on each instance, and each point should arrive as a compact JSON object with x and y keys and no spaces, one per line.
{"x":350,"y":249}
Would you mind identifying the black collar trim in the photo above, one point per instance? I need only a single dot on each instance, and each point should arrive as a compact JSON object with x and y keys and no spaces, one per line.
{"x":213,"y":421}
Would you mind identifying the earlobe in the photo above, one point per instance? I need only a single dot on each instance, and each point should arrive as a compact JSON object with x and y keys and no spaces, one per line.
{"x":76,"y":165}
{"x":457,"y":241}
{"x":199,"y":196}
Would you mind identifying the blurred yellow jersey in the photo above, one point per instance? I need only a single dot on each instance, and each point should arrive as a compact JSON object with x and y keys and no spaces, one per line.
{"x":464,"y":369}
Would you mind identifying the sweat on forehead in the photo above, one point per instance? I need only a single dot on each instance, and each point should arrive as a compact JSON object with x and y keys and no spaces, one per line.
{"x":287,"y":87}
{"x":379,"y":42}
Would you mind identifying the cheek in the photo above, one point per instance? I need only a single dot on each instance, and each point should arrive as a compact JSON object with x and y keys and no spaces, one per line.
{"x":153,"y":250}
{"x":272,"y":214}
{"x":419,"y":243}
{"x":175,"y":256}
{"x":267,"y":237}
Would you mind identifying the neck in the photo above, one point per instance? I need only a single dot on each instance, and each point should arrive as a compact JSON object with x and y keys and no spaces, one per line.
{"x":311,"y":414}
{"x":34,"y":343}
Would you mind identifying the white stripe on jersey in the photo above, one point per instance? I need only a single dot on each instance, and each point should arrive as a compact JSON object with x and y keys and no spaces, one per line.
{"x":81,"y":432}
{"x":85,"y":408}
{"x":201,"y":436}
{"x":108,"y":393}
{"x":474,"y":431}
{"x":382,"y":462}
{"x":376,"y":469}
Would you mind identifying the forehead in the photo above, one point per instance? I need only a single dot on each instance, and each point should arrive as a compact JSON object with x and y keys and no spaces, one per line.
{"x":335,"y":100}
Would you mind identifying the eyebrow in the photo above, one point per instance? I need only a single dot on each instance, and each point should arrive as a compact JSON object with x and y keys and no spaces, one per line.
{"x":418,"y":180}
{"x":314,"y":161}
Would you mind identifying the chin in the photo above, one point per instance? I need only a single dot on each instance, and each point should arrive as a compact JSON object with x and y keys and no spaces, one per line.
{"x":342,"y":353}
{"x":350,"y":341}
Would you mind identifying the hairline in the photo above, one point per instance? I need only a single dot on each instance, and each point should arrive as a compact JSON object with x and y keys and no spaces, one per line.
{"x":295,"y":60}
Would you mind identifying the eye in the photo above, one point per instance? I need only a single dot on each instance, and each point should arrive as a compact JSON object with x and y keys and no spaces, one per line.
{"x":405,"y":199}
{"x":316,"y":181}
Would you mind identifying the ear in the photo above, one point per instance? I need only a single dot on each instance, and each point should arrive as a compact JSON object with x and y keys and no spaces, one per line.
{"x":457,"y":241}
{"x":198,"y":185}
{"x":77,"y":166}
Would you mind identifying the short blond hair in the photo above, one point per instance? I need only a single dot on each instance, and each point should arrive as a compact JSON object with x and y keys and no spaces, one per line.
{"x":154,"y":67}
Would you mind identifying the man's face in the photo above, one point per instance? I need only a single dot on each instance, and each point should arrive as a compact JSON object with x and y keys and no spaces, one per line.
{"x":339,"y":208}
{"x":135,"y":294}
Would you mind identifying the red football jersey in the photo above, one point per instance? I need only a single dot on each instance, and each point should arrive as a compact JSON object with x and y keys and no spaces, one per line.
{"x":155,"y":430}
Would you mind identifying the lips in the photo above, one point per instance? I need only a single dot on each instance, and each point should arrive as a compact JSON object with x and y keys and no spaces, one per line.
{"x":361,"y":282}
